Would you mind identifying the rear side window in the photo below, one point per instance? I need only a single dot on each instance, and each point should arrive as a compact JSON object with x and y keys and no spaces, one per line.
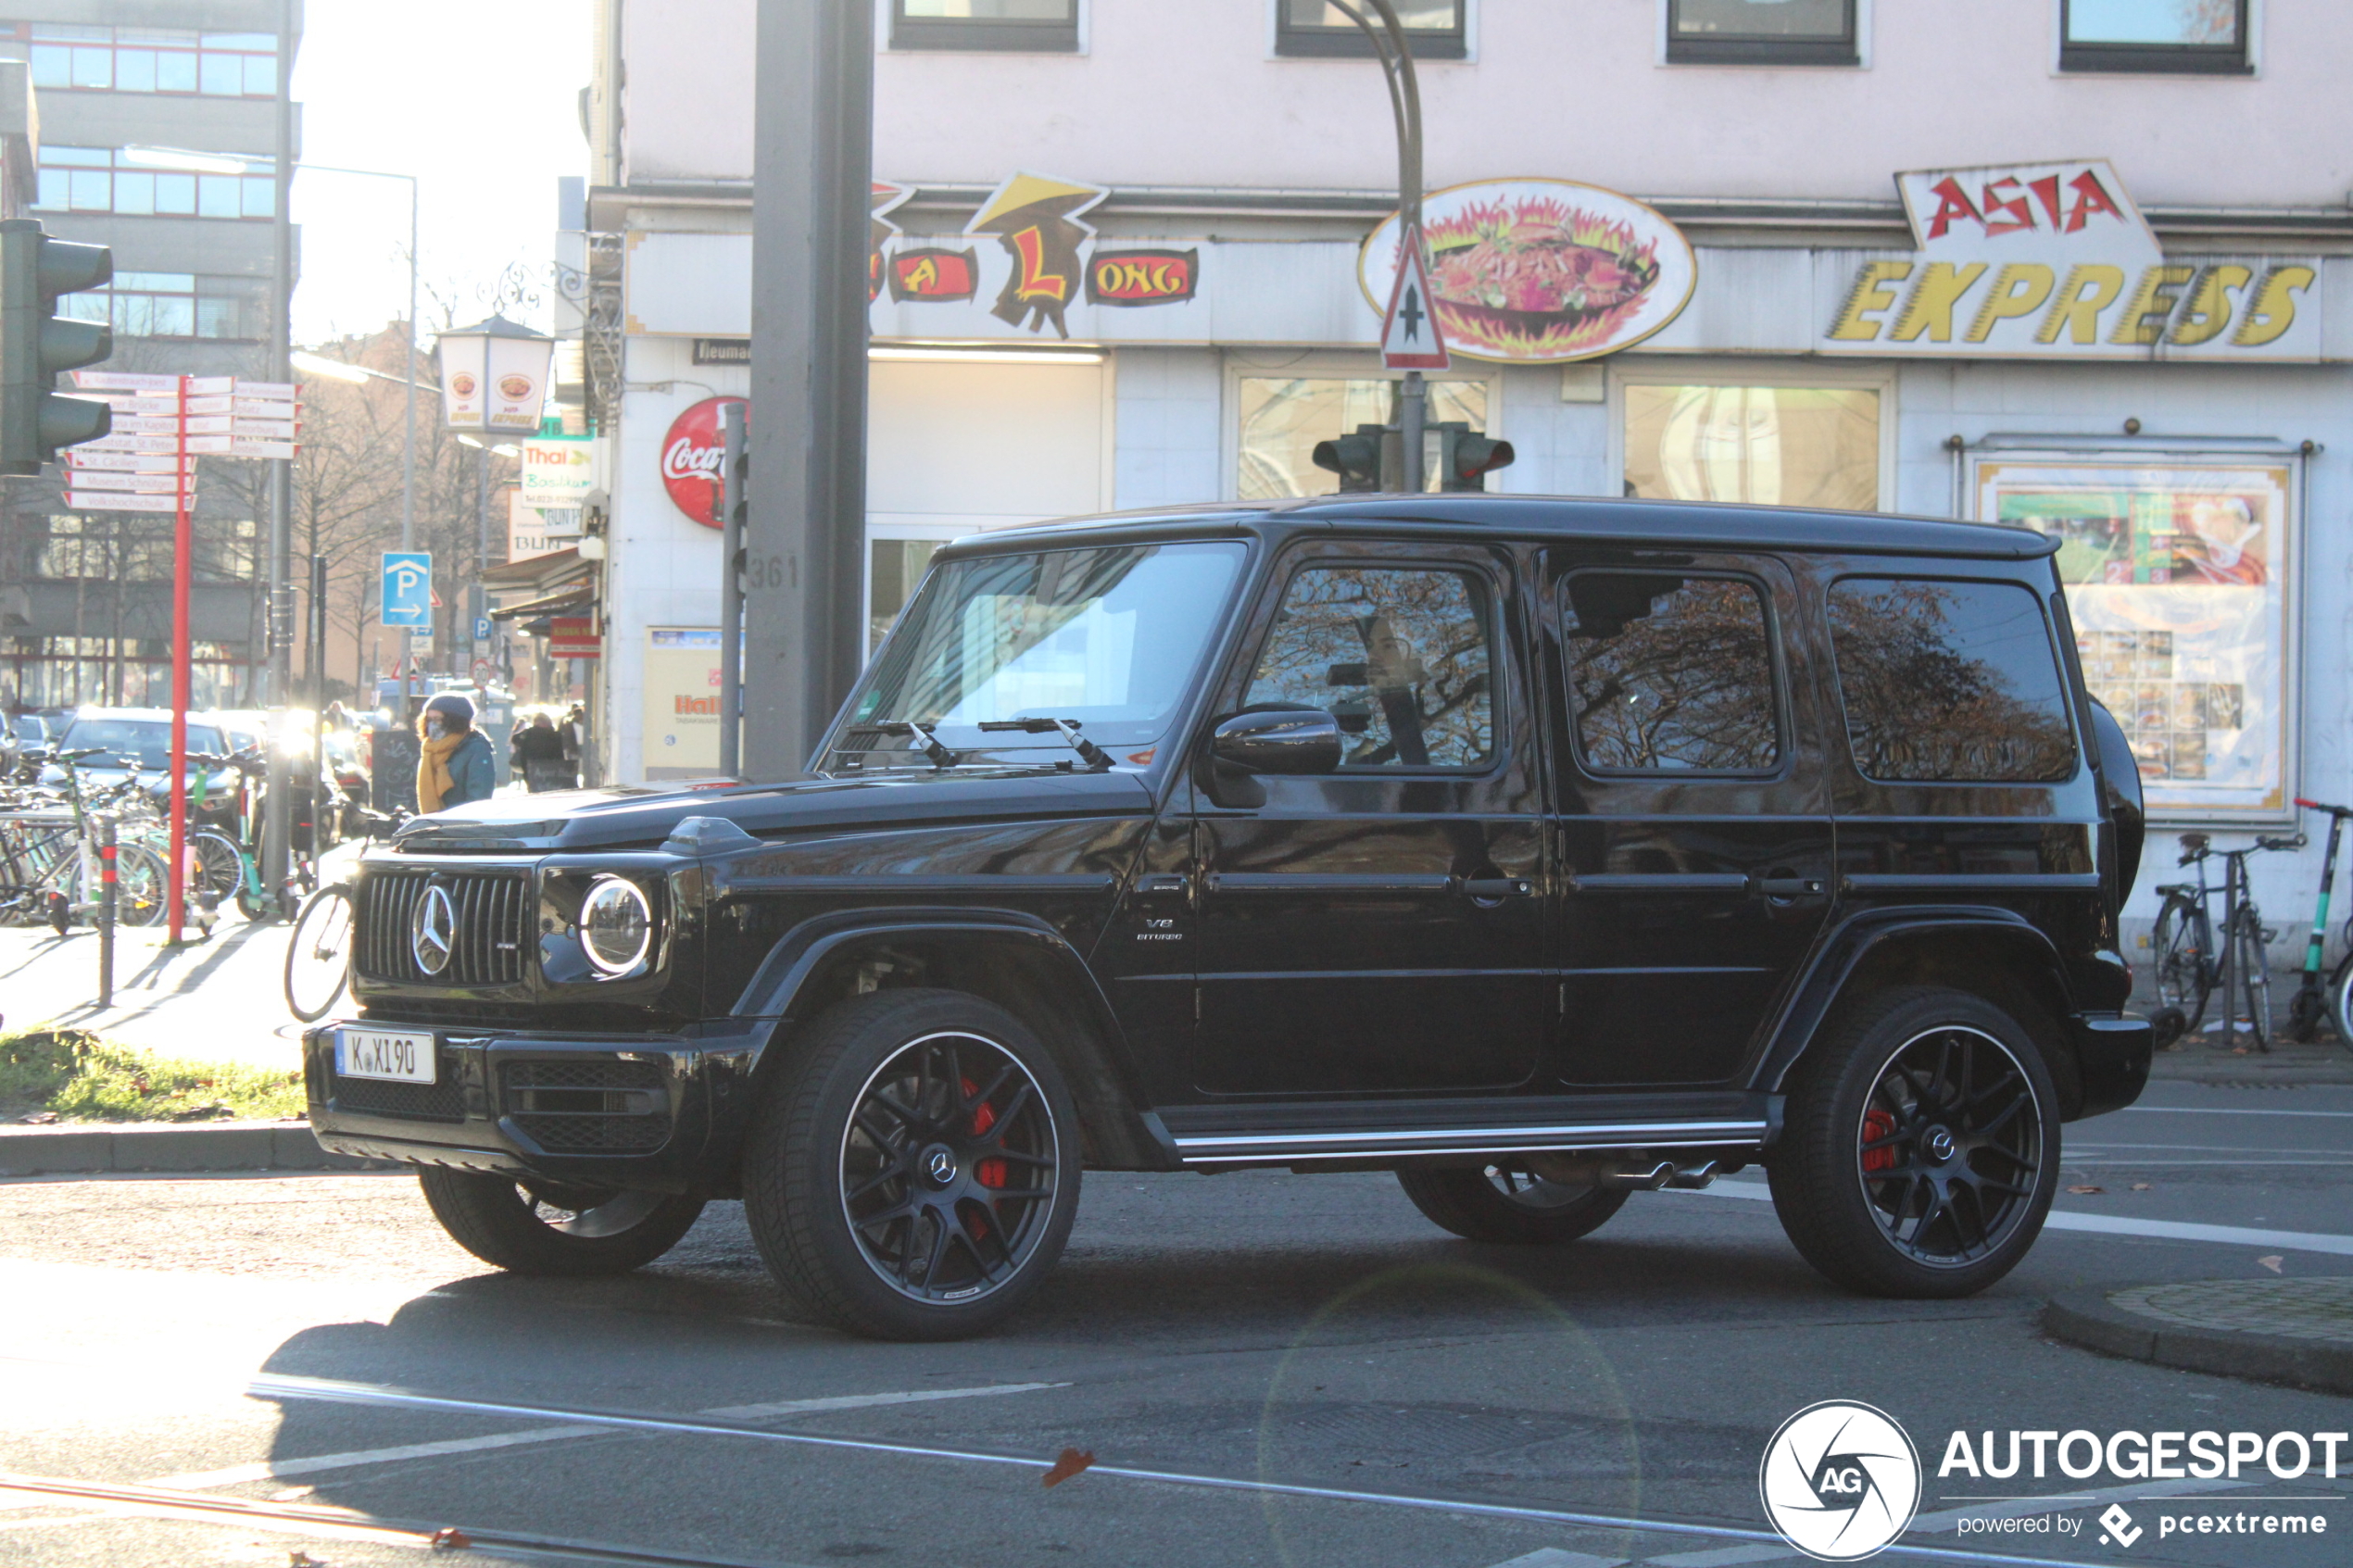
{"x":1949,"y":682}
{"x":1399,"y":655}
{"x":1670,"y":674}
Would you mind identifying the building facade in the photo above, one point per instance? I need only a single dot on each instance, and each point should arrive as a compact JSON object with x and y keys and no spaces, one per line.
{"x":85,"y":598}
{"x":1132,"y":256}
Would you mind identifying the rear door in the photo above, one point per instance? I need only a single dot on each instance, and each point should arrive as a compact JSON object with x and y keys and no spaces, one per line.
{"x":1694,"y":824}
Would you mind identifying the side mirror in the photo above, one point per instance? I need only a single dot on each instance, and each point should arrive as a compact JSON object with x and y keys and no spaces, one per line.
{"x":1284,"y":740}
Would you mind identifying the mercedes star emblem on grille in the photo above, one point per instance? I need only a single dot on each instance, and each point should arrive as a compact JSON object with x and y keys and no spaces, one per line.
{"x":433,"y":930}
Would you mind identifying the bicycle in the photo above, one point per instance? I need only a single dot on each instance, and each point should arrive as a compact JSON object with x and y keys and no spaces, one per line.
{"x":2190,"y":968}
{"x":2313,"y":1002}
{"x":227,"y":866}
{"x":53,"y":861}
{"x":318,"y":953}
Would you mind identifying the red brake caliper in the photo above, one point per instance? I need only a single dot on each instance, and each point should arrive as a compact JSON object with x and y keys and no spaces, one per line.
{"x":989,"y":1172}
{"x":1878,"y":1125}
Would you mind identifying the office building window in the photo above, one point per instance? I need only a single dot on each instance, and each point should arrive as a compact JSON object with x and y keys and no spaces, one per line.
{"x":102,"y":179}
{"x":2194,"y":36}
{"x":1435,"y":28}
{"x":1045,"y":26}
{"x":174,"y":305}
{"x":148,"y":59}
{"x":1762,"y":32}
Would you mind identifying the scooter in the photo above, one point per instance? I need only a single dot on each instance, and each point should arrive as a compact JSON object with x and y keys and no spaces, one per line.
{"x":2310,"y":1008}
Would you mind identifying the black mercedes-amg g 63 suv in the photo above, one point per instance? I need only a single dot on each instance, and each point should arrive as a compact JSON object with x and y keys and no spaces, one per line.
{"x":1539,"y":851}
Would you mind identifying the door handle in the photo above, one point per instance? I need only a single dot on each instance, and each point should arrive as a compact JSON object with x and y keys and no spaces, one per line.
{"x":1789,"y":886}
{"x":1498,"y":887}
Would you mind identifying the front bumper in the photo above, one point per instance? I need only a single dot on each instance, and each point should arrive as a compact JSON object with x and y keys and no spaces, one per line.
{"x":655,"y":1112}
{"x":2113,"y":1052}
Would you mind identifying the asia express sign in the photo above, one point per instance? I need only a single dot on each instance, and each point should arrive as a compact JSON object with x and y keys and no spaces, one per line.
{"x":2055,"y":261}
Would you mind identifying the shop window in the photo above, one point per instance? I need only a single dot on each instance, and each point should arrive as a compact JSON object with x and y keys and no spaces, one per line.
{"x":2173,"y":36}
{"x":1283,"y":417}
{"x":1786,"y":446}
{"x":1047,"y":26}
{"x":1436,"y":29}
{"x":1763,"y":32}
{"x":1398,"y":656}
{"x":1670,"y":674}
{"x":1949,"y":683}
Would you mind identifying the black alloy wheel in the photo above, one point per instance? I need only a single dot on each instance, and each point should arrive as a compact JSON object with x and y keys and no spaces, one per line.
{"x":916,"y":1173}
{"x":1508,"y":1204}
{"x":529,"y":1225}
{"x":1920,"y":1147}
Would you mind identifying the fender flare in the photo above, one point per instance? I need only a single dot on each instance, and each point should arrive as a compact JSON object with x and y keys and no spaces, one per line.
{"x":782,"y":977}
{"x":1838,"y":956}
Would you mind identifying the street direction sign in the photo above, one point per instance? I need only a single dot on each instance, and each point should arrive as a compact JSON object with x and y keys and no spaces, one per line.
{"x":407,"y":589}
{"x":121,"y":501}
{"x":1409,"y":335}
{"x":482,"y":628}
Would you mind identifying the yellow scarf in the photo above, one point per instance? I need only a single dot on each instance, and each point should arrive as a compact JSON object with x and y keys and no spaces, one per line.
{"x":433,"y":783}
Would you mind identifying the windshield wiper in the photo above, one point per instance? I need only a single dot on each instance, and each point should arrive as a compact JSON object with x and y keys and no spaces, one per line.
{"x":939,"y":755}
{"x":1095,"y":756}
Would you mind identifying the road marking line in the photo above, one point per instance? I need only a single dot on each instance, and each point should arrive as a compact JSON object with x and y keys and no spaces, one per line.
{"x":1555,"y":1556}
{"x":2118,"y":1224}
{"x":1722,"y":1557}
{"x":2235,"y":1111}
{"x":271,"y":1470}
{"x":330,"y":1391}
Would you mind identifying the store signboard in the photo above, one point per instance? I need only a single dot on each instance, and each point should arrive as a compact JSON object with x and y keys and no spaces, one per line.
{"x":574,"y":636}
{"x":681,"y":730}
{"x":559,"y":471}
{"x":2054,"y":261}
{"x":2178,"y":580}
{"x":1540,"y":271}
{"x":527,"y":530}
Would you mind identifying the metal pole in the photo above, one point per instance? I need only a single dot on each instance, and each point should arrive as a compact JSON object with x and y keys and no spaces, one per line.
{"x":409,"y":447}
{"x":317,"y":660}
{"x":106,"y":909}
{"x":183,"y":670}
{"x":1396,"y":56}
{"x":731,"y":589}
{"x":277,"y":839}
{"x":813,"y":163}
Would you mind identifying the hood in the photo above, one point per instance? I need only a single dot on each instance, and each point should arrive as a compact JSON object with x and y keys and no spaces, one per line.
{"x":641,"y":818}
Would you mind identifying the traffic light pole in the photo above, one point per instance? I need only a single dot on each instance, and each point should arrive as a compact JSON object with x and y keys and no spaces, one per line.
{"x":1396,"y":56}
{"x":813,"y":168}
{"x":277,"y":828}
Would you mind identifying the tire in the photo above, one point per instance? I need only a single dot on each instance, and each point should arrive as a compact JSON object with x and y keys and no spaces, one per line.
{"x":527,"y":1226}
{"x":2251,"y":958}
{"x":2183,"y":968}
{"x":1507,"y":1205}
{"x":864,"y":1166}
{"x":143,"y":885}
{"x":318,"y":953}
{"x":219,"y":870}
{"x":1924,"y":1107}
{"x":2340,"y":1001}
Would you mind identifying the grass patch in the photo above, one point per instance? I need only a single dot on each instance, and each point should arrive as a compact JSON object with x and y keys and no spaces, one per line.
{"x":80,"y":1076}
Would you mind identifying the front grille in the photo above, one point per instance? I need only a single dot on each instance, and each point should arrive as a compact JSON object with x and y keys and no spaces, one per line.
{"x":582,"y":1106}
{"x":491,"y":936}
{"x":444,"y":1099}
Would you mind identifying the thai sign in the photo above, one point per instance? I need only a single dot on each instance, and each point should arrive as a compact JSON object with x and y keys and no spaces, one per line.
{"x":2054,"y":261}
{"x":1540,"y":271}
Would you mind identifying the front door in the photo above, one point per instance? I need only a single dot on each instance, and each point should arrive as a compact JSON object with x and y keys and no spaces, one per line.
{"x":1380,"y":928}
{"x":1696,"y":865}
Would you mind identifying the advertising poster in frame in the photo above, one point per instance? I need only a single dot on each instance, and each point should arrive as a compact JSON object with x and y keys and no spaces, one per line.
{"x":2180,"y":580}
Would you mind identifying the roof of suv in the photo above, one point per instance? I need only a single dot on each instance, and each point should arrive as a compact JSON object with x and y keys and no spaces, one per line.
{"x":1617,"y":521}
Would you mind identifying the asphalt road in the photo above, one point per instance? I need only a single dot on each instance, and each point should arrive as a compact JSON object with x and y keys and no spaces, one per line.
{"x":1209,"y":1340}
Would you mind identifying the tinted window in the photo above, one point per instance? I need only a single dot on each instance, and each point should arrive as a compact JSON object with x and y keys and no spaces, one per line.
{"x":1670,"y":673}
{"x":1399,"y":656}
{"x":1949,"y":681}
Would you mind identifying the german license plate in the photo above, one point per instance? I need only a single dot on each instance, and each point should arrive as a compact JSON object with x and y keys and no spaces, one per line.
{"x":396,"y":1056}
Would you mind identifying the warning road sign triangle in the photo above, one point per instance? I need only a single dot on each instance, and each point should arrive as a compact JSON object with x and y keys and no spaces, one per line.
{"x":1410,"y":339}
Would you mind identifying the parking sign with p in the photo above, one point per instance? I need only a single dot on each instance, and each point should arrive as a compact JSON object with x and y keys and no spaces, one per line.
{"x":407,"y":591}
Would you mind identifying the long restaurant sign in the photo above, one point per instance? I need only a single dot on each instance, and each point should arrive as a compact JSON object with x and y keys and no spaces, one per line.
{"x":2054,"y":261}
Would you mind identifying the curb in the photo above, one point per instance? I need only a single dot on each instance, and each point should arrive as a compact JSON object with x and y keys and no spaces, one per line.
{"x":2088,"y":1319}
{"x":84,"y":1149}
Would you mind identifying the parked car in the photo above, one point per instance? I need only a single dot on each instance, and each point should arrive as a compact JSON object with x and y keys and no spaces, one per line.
{"x":141,"y":738}
{"x":1539,"y":851}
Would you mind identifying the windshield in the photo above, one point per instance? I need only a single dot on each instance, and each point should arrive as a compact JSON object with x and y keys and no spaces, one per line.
{"x":1105,"y":639}
{"x":148,"y":740}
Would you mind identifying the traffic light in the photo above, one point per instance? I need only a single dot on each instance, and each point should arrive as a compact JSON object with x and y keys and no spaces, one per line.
{"x":35,"y":343}
{"x":1466,"y":458}
{"x":1357,"y":458}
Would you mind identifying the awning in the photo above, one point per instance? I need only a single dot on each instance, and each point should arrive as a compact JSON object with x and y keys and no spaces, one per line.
{"x":541,"y":572}
{"x":551,"y":604}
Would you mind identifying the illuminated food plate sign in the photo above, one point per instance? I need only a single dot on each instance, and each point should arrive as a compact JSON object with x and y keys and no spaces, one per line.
{"x":1540,"y":271}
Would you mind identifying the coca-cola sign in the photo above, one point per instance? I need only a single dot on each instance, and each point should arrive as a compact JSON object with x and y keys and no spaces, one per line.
{"x":691,"y":456}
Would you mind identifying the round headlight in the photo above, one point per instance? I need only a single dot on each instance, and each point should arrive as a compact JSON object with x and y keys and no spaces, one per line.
{"x":616,"y":924}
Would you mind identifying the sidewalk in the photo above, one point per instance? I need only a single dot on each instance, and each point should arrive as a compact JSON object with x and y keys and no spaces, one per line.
{"x":2222,"y":1059}
{"x":2294,"y":1331}
{"x":222,"y":1000}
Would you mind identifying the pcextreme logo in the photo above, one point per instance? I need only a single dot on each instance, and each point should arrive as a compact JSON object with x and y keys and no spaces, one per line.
{"x":1840,"y":1481}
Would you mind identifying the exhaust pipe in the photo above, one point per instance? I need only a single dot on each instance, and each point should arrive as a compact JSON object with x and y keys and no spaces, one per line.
{"x":1622,"y":1174}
